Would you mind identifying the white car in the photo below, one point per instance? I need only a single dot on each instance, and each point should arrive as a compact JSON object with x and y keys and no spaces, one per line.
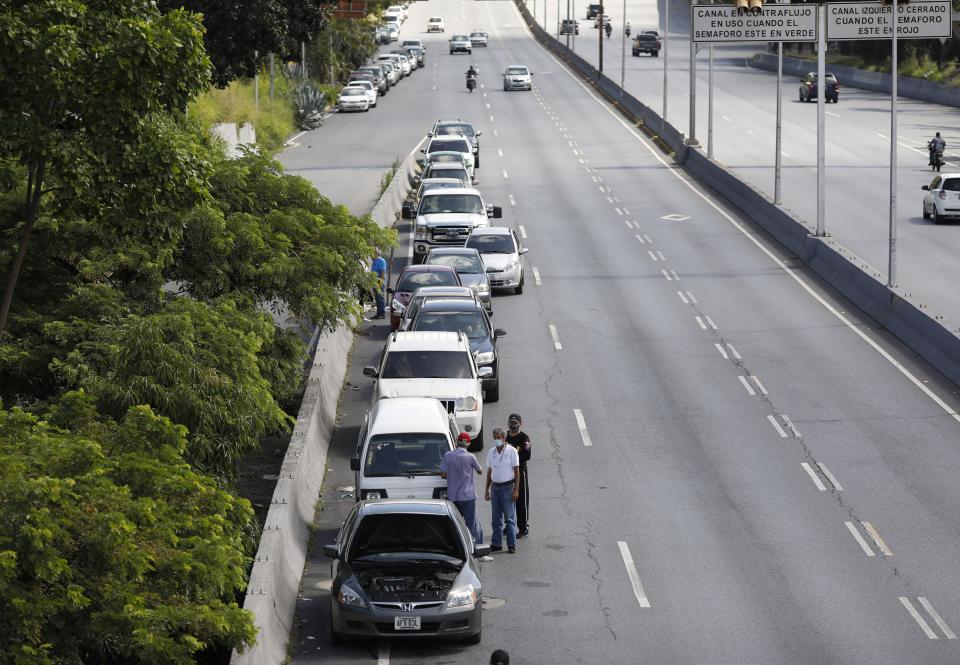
{"x":394,"y":60}
{"x":393,"y":31}
{"x":435,"y":24}
{"x":393,"y":17}
{"x":517,"y":77}
{"x":438,"y":365}
{"x":500,"y":250}
{"x":942,"y":198}
{"x":399,"y":10}
{"x":369,"y":87}
{"x":460,"y":44}
{"x":413,"y":42}
{"x":478,"y":38}
{"x":353,"y":98}
{"x":459,"y":144}
{"x":446,"y":217}
{"x":605,"y":18}
{"x":406,"y":64}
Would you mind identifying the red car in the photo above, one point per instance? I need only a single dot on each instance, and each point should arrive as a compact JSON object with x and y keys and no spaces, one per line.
{"x":412,"y":278}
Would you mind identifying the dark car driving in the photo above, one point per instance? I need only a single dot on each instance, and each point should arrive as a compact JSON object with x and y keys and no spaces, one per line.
{"x":808,"y":88}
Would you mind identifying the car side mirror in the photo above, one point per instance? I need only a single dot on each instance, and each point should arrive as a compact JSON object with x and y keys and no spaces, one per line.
{"x":484,"y":372}
{"x":406,"y":211}
{"x":524,"y":250}
{"x":926,"y":188}
{"x":371,"y":372}
{"x":499,"y":332}
{"x":423,"y":150}
{"x":428,"y":134}
{"x":333,"y":551}
{"x":497,"y":212}
{"x":354,"y":463}
{"x":480,"y":551}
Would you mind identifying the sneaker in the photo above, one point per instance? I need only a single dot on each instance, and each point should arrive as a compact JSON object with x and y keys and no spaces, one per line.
{"x":512,"y":550}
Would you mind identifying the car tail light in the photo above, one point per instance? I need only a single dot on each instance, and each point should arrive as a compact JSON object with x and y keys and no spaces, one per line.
{"x":942,"y":195}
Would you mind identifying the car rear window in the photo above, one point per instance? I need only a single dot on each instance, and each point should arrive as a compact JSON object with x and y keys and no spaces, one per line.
{"x":455,"y":130}
{"x":951,"y":185}
{"x":456,"y":145}
{"x":491,"y":244}
{"x":427,"y":365}
{"x":404,"y":455}
{"x":458,"y":173}
{"x":441,"y":203}
{"x":459,"y":262}
{"x":516,"y":70}
{"x":414,"y":280}
{"x":470,"y":324}
{"x":401,"y":533}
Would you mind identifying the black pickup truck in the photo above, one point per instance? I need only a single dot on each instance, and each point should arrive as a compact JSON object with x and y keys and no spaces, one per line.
{"x":593,"y":10}
{"x":646,"y":42}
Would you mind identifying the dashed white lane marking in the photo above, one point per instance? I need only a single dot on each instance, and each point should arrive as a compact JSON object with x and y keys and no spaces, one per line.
{"x":576,"y":152}
{"x":783,"y":435}
{"x":582,"y":426}
{"x":746,"y":385}
{"x":726,"y":118}
{"x":782,"y":152}
{"x":484,"y":94}
{"x":594,"y":178}
{"x":615,"y":199}
{"x":885,"y":138}
{"x":750,"y":132}
{"x":936,"y":617}
{"x":626,"y":212}
{"x":513,"y":201}
{"x":630,"y":226}
{"x":667,"y":275}
{"x":434,"y":87}
{"x":829,"y":476}
{"x":860,"y":541}
{"x":536,"y":277}
{"x":505,"y":174}
{"x":712,"y":324}
{"x":703,"y":326}
{"x":641,"y":239}
{"x":875,"y":536}
{"x":495,"y":133}
{"x":806,"y":467}
{"x":581,"y":160}
{"x":683,"y":296}
{"x":488,"y":104}
{"x":619,"y":211}
{"x":633,"y":575}
{"x":675,"y":276}
{"x":835,"y":115}
{"x":523,"y":232}
{"x":652,"y":255}
{"x":722,"y":352}
{"x":569,"y":144}
{"x":733,"y":352}
{"x":756,"y":380}
{"x":499,"y":152}
{"x":790,"y":426}
{"x":924,"y":626}
{"x":556,"y":337}
{"x":491,"y":118}
{"x":609,"y":199}
{"x":383,"y":653}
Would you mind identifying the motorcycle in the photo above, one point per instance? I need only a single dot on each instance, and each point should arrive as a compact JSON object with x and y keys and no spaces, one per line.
{"x":471,"y":83}
{"x":936,"y":158}
{"x":609,"y":29}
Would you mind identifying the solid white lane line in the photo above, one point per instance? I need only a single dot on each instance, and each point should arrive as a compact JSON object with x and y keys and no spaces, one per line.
{"x":783,"y":435}
{"x":875,"y":536}
{"x":829,"y":476}
{"x":806,"y":467}
{"x":523,"y":231}
{"x":936,"y":617}
{"x":746,"y":384}
{"x":722,"y":352}
{"x":652,"y":255}
{"x":632,"y":574}
{"x":712,"y":324}
{"x":513,"y":201}
{"x":733,"y":352}
{"x":703,"y":326}
{"x":881,"y":135}
{"x":916,"y":617}
{"x":681,"y":294}
{"x":667,"y":275}
{"x":790,"y":426}
{"x":292,"y":139}
{"x":860,"y":541}
{"x":640,"y":238}
{"x":505,"y":175}
{"x":383,"y":653}
{"x":675,"y":275}
{"x":556,"y":338}
{"x":499,"y":152}
{"x":752,"y":238}
{"x":756,"y":380}
{"x":536,"y":276}
{"x":582,"y":426}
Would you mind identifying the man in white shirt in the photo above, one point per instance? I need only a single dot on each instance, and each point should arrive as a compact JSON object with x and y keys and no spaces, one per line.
{"x":503,"y":487}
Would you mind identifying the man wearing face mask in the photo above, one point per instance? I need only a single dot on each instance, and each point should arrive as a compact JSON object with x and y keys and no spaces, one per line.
{"x":503,"y":484}
{"x":519,"y":440}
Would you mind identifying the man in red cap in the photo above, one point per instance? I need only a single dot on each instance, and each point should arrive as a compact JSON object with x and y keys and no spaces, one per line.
{"x":458,"y":467}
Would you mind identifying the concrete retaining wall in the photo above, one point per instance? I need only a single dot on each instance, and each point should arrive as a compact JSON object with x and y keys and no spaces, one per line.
{"x":282,"y":553}
{"x":907,"y":86}
{"x":934,"y":340}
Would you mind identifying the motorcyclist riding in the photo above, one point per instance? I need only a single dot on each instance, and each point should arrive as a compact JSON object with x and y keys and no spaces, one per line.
{"x":473,"y":71}
{"x":936,"y":145}
{"x":472,"y":78}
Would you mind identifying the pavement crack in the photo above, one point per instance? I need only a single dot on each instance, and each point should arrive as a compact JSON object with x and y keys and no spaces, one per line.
{"x":598,"y":582}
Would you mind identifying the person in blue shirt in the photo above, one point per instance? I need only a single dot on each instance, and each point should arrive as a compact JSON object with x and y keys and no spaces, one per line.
{"x":379,"y":268}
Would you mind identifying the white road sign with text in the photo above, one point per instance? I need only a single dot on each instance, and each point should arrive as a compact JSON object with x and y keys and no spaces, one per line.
{"x":873,"y":20}
{"x":777,"y":23}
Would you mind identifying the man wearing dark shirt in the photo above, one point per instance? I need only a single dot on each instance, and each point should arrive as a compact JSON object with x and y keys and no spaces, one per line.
{"x":519,"y":440}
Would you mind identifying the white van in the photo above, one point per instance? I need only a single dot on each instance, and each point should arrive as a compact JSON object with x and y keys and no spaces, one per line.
{"x":400,"y":447}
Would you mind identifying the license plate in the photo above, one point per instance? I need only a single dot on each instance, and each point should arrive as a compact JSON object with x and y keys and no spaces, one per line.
{"x":406,"y":623}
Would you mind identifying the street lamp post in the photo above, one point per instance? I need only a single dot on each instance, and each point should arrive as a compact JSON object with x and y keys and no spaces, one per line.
{"x":710,"y":103}
{"x":892,"y":270}
{"x":666,"y":42}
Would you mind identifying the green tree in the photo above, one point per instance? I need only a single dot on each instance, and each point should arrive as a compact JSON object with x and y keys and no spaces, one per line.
{"x":87,"y":88}
{"x":112,"y":550}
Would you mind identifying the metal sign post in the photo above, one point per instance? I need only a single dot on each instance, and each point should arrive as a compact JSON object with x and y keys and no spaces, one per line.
{"x":892,"y":267}
{"x":821,"y":121}
{"x":778,"y":156}
{"x":692,"y":140}
{"x":666,"y":41}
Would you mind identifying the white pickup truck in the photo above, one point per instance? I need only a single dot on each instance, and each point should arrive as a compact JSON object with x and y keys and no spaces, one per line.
{"x":445,"y":218}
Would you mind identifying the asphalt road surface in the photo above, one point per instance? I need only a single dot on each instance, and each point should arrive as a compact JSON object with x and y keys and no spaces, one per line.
{"x":857,"y":148}
{"x":730,"y":465}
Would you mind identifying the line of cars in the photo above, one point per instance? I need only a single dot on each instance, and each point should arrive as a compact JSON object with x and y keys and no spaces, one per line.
{"x":404,"y":561}
{"x":367,"y":84}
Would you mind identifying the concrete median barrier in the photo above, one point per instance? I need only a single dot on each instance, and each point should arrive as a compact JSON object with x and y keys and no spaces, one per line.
{"x":935,"y":340}
{"x":281,"y":555}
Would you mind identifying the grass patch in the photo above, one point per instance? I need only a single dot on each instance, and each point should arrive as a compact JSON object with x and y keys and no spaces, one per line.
{"x":387,"y":177}
{"x":274,"y":121}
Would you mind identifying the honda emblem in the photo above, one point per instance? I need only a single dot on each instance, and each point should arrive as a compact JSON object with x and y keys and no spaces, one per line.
{"x":406,"y":607}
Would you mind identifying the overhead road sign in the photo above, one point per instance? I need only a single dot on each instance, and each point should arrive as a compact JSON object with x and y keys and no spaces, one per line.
{"x":774,"y":23}
{"x":926,"y":19}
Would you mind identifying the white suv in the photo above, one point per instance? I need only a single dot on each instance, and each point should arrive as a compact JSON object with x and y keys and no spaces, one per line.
{"x":434,"y":24}
{"x":438,"y":365}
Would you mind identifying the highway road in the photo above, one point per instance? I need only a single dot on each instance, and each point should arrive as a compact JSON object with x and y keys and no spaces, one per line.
{"x":730,"y":465}
{"x":857,"y":152}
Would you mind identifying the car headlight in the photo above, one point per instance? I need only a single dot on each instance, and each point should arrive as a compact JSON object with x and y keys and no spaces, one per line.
{"x":350,"y":598}
{"x":397,"y":307}
{"x":463,"y":597}
{"x":466,"y":404}
{"x":483,"y":287}
{"x":373,"y":494}
{"x":420,"y":233}
{"x":484,"y":358}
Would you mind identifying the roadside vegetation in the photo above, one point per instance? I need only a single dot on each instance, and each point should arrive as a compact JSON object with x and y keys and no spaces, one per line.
{"x":154,"y":299}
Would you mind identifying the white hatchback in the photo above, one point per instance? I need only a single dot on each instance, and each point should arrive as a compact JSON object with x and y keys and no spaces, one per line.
{"x":435,"y":24}
{"x":942,"y":197}
{"x":353,"y":98}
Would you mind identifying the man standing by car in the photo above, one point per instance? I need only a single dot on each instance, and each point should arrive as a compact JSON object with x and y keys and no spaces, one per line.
{"x":457,"y":468}
{"x":521,"y":442}
{"x":503,"y":484}
{"x":379,"y":268}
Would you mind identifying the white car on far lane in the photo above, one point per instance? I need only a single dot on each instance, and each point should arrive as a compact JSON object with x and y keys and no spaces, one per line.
{"x":435,"y":24}
{"x":353,"y":98}
{"x":942,"y":197}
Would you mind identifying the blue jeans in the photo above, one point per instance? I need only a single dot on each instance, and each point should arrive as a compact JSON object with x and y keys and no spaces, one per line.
{"x":469,"y":511}
{"x":381,"y":305}
{"x":503,"y":508}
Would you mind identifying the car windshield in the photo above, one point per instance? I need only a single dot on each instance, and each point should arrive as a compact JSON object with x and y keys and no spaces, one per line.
{"x":427,"y":365}
{"x":472,"y":324}
{"x":951,"y":185}
{"x":477,"y":34}
{"x":491,"y":244}
{"x":516,"y":70}
{"x":441,"y":203}
{"x":455,"y":130}
{"x":406,"y":533}
{"x":447,"y":158}
{"x":459,"y":173}
{"x":460,"y":262}
{"x":404,"y":455}
{"x":435,"y":20}
{"x":460,"y":38}
{"x":454,"y":145}
{"x":427,"y":186}
{"x":412,"y":281}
